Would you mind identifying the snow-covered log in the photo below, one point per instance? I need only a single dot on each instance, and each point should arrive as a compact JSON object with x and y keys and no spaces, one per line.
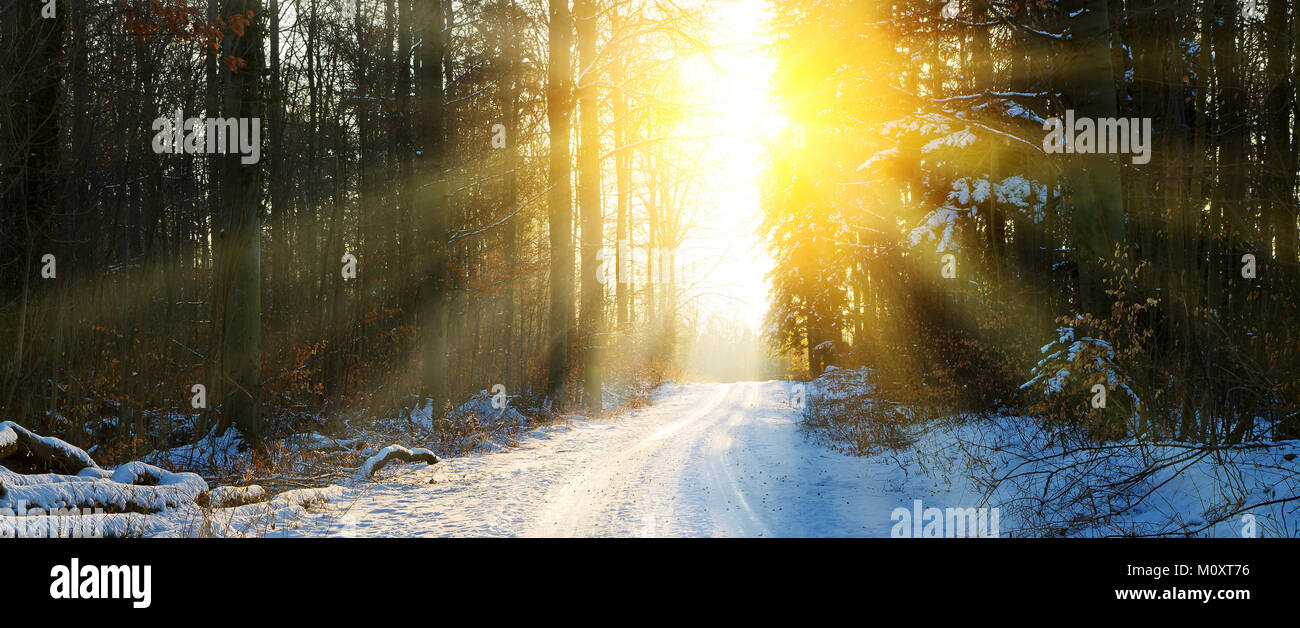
{"x":22,"y":451}
{"x":281,"y":512}
{"x":391,"y":453}
{"x":55,"y":489}
{"x":46,"y":473}
{"x":228,"y":496}
{"x":158,"y":490}
{"x":308,"y":496}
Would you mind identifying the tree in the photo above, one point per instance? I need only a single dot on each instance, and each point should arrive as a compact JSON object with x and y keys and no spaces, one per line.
{"x":32,"y":47}
{"x":1095,"y":181}
{"x":431,"y":205}
{"x":591,"y":333}
{"x":241,"y":240}
{"x":559,"y":110}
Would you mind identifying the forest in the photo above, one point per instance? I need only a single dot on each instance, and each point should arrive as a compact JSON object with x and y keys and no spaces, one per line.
{"x":446,"y":196}
{"x":642,"y":245}
{"x":929,"y":214}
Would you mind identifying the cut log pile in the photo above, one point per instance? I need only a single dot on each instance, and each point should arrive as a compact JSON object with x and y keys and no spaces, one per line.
{"x":50,"y":477}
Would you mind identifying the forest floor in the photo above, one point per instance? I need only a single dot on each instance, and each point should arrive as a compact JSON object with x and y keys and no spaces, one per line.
{"x":720,"y":460}
{"x":704,"y":459}
{"x":739,"y":460}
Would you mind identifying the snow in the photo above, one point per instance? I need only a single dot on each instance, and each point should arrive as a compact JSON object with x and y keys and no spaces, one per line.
{"x":1024,"y":194}
{"x":1047,"y":483}
{"x":223,"y":496}
{"x":1058,"y":363}
{"x":731,"y":460}
{"x":309,"y":496}
{"x":922,"y":123}
{"x":366,"y":467}
{"x":1142,"y":488}
{"x":966,"y":194}
{"x":313,"y":441}
{"x":708,"y":459}
{"x":213,"y":451}
{"x":958,"y":140}
{"x":81,"y":525}
{"x":480,"y":423}
{"x":9,"y":434}
{"x":9,"y":478}
{"x":884,"y":156}
{"x":939,"y":226}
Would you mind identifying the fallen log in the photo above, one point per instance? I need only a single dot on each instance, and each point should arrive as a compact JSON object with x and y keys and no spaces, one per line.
{"x":230,"y":496}
{"x":22,"y":451}
{"x":283,"y":511}
{"x":118,"y":493}
{"x":391,"y":453}
{"x":51,"y":488}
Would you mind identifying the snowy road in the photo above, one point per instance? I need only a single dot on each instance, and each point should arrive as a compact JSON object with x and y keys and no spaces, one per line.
{"x":703,"y":460}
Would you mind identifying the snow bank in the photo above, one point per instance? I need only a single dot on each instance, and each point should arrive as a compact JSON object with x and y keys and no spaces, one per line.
{"x":1048,"y":482}
{"x":209,"y":453}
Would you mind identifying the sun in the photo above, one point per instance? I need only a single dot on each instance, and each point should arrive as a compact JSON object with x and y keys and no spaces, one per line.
{"x":733,"y":85}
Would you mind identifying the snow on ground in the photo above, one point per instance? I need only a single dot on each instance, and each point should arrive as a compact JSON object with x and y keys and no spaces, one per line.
{"x":730,"y":460}
{"x":704,"y":460}
{"x":1052,"y":483}
{"x":1133,"y":488}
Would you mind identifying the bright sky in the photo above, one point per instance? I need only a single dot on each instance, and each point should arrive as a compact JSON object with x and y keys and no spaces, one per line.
{"x":741,"y":115}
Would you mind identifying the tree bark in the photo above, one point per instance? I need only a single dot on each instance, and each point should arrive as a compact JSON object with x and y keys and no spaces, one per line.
{"x":241,"y":241}
{"x":559,"y":109}
{"x":591,"y":320}
{"x":1095,"y":178}
{"x":431,"y":203}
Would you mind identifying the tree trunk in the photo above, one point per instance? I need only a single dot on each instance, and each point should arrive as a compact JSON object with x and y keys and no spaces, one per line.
{"x":241,"y":241}
{"x":1095,"y":178}
{"x":559,"y":109}
{"x":431,"y":203}
{"x":622,"y":186}
{"x":591,"y":322}
{"x":510,"y":106}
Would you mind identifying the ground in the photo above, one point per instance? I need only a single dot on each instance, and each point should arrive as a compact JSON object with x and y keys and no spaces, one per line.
{"x":706,"y":459}
{"x":728,"y":460}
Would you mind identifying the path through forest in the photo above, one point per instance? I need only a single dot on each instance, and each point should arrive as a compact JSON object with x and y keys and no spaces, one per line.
{"x":703,"y":460}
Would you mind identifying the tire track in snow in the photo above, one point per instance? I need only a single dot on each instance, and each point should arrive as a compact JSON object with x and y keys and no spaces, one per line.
{"x":703,"y":460}
{"x":611,"y":496}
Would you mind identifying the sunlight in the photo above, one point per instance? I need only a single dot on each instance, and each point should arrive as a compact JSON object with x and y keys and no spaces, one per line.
{"x":739,"y":117}
{"x":652,"y":268}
